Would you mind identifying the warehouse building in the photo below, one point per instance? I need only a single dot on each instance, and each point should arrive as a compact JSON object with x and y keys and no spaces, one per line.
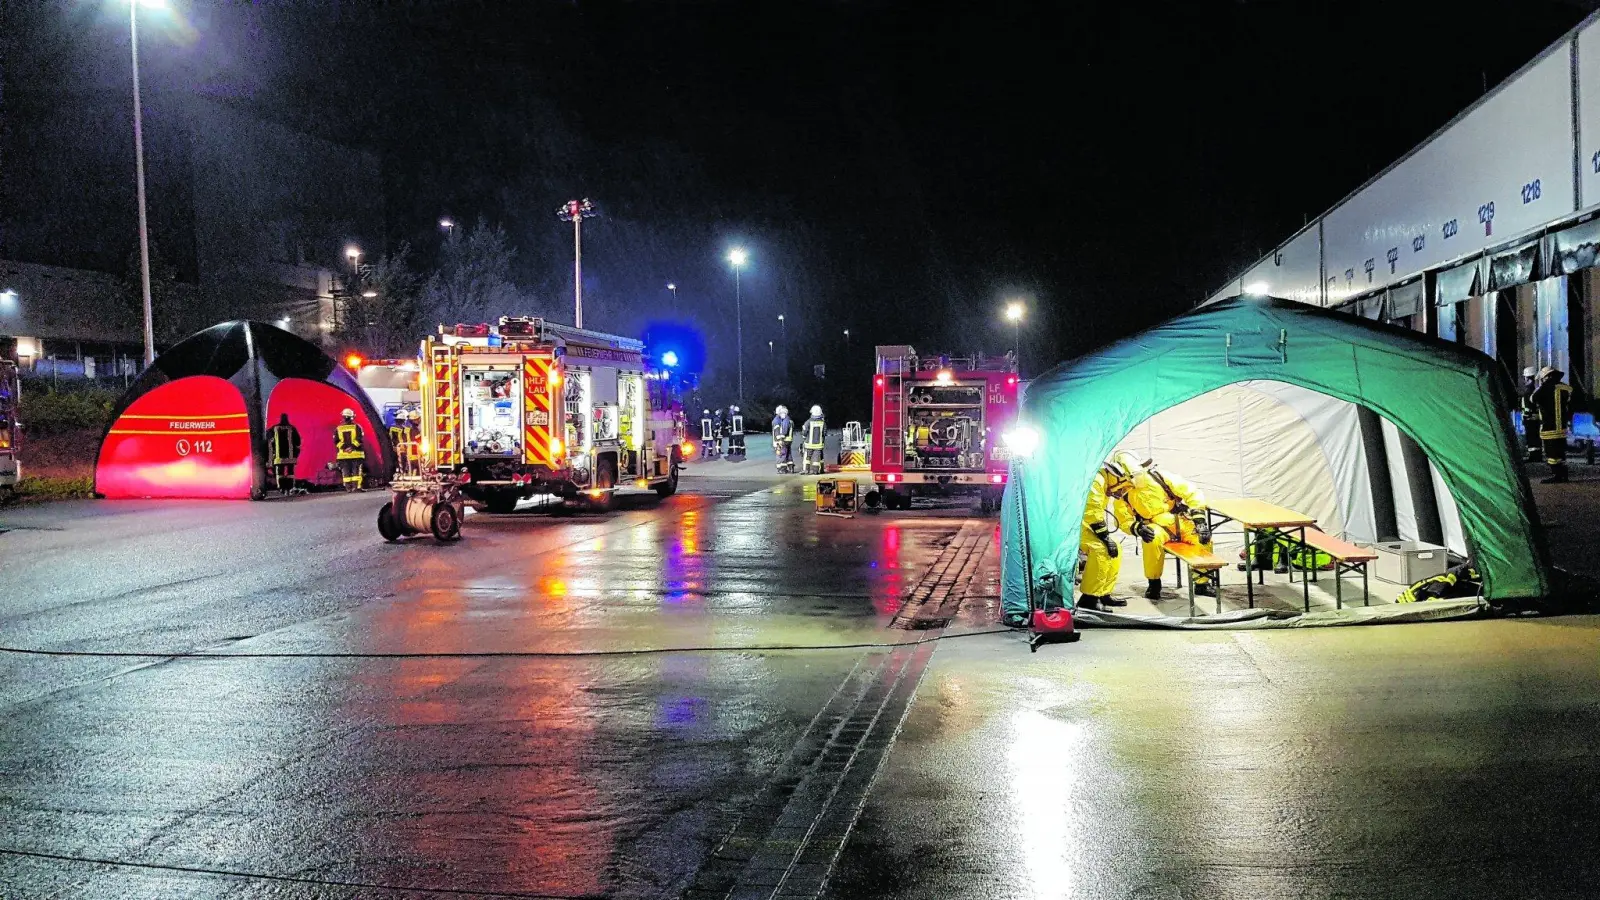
{"x":1486,"y":234}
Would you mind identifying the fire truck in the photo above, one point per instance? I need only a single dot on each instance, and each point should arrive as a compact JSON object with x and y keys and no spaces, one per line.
{"x":530,"y":407}
{"x":10,"y":399}
{"x":937,"y":426}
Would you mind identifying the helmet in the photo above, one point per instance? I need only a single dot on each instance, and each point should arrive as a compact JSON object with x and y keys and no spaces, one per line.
{"x":1121,"y":466}
{"x":733,"y":409}
{"x":1529,"y":372}
{"x":413,"y":415}
{"x":816,"y":410}
{"x":347,"y":413}
{"x":705,"y":412}
{"x":781,"y":411}
{"x":1549,"y":372}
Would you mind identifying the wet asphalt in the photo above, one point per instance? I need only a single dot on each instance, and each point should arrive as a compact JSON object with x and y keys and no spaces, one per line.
{"x":568,"y":758}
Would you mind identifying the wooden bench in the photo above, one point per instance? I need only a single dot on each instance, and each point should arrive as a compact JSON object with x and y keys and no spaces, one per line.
{"x":1198,"y":559}
{"x":1347,"y":559}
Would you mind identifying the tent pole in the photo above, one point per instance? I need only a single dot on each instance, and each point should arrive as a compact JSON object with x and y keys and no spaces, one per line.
{"x":1027,"y":546}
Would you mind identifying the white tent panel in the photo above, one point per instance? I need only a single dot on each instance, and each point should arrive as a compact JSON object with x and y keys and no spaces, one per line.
{"x":1338,"y":428}
{"x":1239,"y":441}
{"x":1449,"y":516}
{"x":1405,"y":512}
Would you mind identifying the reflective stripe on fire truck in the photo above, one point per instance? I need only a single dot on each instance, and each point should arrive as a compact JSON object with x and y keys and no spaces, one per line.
{"x":536,"y":448}
{"x":445,"y":408}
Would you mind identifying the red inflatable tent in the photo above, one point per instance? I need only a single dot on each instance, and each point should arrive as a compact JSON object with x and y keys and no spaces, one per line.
{"x":195,"y":423}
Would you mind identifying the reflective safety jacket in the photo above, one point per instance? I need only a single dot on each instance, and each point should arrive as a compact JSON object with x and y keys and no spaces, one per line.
{"x":1554,"y":403}
{"x":783,"y":429}
{"x":736,"y":423}
{"x":347,"y":441}
{"x":283,"y":445}
{"x":1457,"y":581}
{"x":816,"y":431}
{"x":1154,"y":496}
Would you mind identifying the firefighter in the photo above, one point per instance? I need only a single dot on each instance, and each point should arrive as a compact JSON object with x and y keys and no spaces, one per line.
{"x":720,"y":425}
{"x":708,"y":434}
{"x":398,"y":440}
{"x":403,"y":436}
{"x":1163,"y":507}
{"x":735,"y":433}
{"x":1530,"y":414}
{"x":1098,"y":542}
{"x":783,"y":439}
{"x":815,"y":433}
{"x":283,"y":450}
{"x":348,"y":450}
{"x":1553,"y":400}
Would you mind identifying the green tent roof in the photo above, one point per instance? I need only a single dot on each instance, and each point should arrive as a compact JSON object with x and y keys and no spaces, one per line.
{"x":1455,"y":402}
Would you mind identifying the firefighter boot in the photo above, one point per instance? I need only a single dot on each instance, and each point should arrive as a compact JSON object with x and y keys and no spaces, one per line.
{"x":1110,"y":601}
{"x":1206,"y":588}
{"x":1153,"y":590}
{"x":1089,"y":601}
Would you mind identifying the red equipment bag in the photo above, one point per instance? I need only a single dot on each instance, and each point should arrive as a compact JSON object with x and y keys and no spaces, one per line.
{"x":1051,"y":623}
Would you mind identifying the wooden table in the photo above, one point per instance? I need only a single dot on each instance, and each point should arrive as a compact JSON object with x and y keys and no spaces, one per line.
{"x":1255,"y":516}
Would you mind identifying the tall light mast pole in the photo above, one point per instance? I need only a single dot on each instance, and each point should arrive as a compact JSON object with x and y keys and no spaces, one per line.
{"x":575,"y":211}
{"x":738,"y":257}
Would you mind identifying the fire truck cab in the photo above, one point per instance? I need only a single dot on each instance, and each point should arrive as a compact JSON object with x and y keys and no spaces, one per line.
{"x":529,"y":407}
{"x":937,"y":423}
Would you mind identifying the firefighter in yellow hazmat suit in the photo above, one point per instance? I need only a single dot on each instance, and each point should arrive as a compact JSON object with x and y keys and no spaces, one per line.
{"x":1098,"y":542}
{"x":1163,"y":506}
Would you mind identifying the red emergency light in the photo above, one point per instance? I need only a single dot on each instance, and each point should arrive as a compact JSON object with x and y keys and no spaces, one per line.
{"x":1011,"y":379}
{"x":353,"y":362}
{"x":892,"y":477}
{"x":878,"y":382}
{"x":997,"y":479}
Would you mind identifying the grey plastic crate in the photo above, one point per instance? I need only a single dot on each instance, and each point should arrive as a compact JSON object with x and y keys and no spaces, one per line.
{"x":1408,"y":562}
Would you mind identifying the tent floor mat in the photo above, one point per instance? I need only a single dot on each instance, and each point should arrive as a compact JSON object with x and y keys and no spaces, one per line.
{"x":1388,"y":613}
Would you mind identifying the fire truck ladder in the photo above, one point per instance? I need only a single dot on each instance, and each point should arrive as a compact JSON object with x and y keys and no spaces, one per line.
{"x":894,"y":414}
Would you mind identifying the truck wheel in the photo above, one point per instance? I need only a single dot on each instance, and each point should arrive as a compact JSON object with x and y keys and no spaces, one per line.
{"x":445,"y":522}
{"x":670,"y":486}
{"x":388,"y":526}
{"x":501,"y":502}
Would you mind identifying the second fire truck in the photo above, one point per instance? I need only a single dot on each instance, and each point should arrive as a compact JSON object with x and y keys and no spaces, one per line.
{"x":937,"y":423}
{"x":530,"y":407}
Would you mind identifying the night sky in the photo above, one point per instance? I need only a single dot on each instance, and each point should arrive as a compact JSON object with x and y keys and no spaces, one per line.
{"x":894,"y":168}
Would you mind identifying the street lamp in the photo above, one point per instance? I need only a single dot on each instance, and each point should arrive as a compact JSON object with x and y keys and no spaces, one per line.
{"x":674,"y":289}
{"x":769,"y":350}
{"x":447,"y":225}
{"x":1014,"y":312}
{"x":847,"y":339}
{"x":738,"y":257}
{"x":575,"y":211}
{"x":138,"y":169}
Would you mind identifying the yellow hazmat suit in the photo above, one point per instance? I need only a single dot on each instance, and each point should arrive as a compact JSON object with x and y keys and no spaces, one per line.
{"x":1167,"y":503}
{"x":1094,"y":538}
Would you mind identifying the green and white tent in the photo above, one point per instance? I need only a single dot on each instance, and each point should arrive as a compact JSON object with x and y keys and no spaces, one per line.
{"x":1379,"y":432}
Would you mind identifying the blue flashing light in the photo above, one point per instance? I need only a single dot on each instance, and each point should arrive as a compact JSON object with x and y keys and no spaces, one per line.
{"x":669,"y":359}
